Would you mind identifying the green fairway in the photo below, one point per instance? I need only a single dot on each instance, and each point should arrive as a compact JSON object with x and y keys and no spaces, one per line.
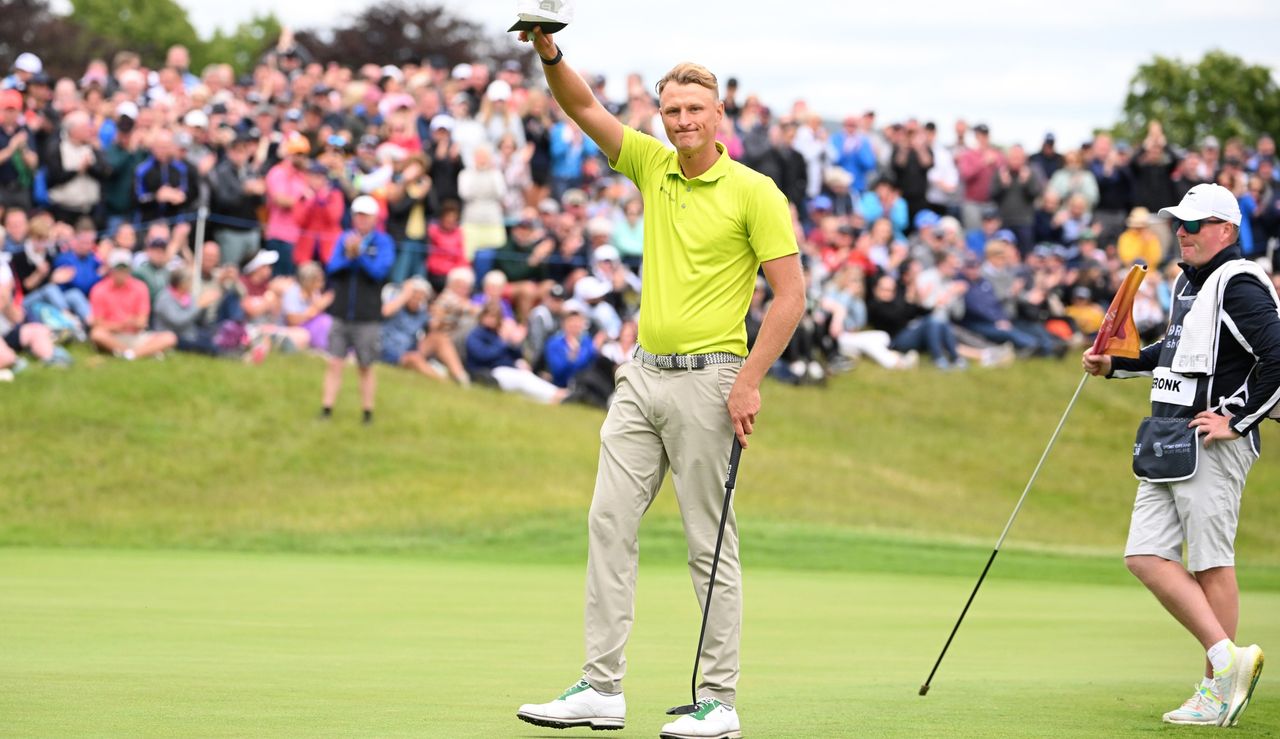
{"x":114,"y":643}
{"x":186,"y":551}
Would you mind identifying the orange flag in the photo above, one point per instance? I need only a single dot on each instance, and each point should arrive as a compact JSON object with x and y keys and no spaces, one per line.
{"x":1118,"y":336}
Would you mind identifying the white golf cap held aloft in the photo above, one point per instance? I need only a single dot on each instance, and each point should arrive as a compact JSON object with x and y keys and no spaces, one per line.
{"x":552,"y":15}
{"x":1206,"y":201}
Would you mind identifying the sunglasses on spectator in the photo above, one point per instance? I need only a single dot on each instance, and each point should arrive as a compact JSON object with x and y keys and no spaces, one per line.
{"x":1193,"y":227}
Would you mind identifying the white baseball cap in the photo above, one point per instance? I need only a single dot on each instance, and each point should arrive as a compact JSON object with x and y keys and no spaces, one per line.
{"x":28,"y":62}
{"x":552,"y":15}
{"x":442,"y":120}
{"x":589,"y":288}
{"x":1206,"y":201}
{"x":606,"y":253}
{"x":196,"y":119}
{"x":573,"y":305}
{"x":498,"y":90}
{"x":120,"y":258}
{"x":365,"y":204}
{"x":264,"y":258}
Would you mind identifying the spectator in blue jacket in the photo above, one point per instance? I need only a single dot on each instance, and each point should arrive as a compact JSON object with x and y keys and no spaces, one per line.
{"x":573,"y":348}
{"x":570,"y":150}
{"x":78,"y":269}
{"x":164,"y":185}
{"x":357,"y":271}
{"x":985,"y":315}
{"x":854,"y":152}
{"x":494,"y":356}
{"x":885,"y":201}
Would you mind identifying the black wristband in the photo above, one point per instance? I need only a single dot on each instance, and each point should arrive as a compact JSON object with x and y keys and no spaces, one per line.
{"x":553,"y":61}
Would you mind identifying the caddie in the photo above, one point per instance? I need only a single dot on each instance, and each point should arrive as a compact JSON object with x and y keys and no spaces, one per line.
{"x":1215,"y":378}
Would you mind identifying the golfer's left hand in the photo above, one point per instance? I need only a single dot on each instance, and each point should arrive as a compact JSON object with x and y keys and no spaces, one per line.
{"x":1214,"y":427}
{"x":744,"y":404}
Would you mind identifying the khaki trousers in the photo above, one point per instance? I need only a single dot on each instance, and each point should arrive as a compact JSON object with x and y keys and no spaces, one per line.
{"x":660,"y":419}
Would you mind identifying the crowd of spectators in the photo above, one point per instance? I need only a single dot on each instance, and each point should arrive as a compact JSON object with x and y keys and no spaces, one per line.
{"x":150,"y":210}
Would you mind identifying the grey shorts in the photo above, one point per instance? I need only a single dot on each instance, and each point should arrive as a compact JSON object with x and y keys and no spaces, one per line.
{"x":1203,"y":510}
{"x":362,"y":337}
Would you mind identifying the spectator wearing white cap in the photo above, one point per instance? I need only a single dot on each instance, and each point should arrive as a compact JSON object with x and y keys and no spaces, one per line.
{"x":446,"y":158}
{"x":121,"y":311}
{"x":25,"y":67}
{"x":357,"y":271}
{"x":593,"y":291}
{"x":123,"y":154}
{"x":498,"y":116}
{"x":624,"y":285}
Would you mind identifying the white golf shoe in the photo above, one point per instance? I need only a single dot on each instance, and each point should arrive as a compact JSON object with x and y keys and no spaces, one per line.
{"x":1202,"y":708}
{"x":711,"y":720}
{"x":1236,"y":683}
{"x":579,"y":705}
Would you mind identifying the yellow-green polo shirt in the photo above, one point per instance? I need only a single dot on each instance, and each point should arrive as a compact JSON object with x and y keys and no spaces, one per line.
{"x":704,"y":240}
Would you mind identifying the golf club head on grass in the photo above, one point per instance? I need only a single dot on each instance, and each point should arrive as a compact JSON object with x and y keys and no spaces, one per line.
{"x":682,"y":710}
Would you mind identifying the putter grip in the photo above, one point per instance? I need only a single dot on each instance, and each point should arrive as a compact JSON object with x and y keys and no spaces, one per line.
{"x":735,"y":455}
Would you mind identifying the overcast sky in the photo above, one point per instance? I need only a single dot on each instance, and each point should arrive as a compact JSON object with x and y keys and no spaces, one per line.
{"x":1022,"y":67}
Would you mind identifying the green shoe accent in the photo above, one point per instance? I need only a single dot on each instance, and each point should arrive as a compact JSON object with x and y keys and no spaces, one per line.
{"x":705,"y":706}
{"x":574,"y":689}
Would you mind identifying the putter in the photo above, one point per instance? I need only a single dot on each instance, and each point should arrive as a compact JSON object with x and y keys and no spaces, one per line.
{"x":730,"y":479}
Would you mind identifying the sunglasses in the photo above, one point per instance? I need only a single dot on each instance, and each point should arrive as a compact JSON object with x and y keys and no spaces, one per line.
{"x":1193,"y":227}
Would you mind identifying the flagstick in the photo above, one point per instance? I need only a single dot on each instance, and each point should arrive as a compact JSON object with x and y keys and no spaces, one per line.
{"x":924,"y":689}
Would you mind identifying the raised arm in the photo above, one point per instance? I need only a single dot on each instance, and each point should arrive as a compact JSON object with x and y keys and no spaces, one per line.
{"x":575,"y":98}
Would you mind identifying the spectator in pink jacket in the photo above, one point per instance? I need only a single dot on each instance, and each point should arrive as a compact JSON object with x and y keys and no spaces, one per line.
{"x":286,"y":186}
{"x":319,"y":216}
{"x":447,"y":249}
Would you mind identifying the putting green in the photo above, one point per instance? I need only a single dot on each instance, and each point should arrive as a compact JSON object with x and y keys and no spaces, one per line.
{"x":115,"y":643}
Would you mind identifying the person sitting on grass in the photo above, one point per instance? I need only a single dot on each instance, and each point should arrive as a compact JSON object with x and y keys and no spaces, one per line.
{"x":176,"y":310}
{"x":844,"y":301}
{"x":305,"y":302}
{"x":493,"y":355}
{"x":121,"y":308}
{"x":263,"y":308}
{"x":406,"y":340}
{"x":18,"y":334}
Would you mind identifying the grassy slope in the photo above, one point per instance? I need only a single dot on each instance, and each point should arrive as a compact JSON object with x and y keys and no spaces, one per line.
{"x":100,"y":643}
{"x":196,"y":454}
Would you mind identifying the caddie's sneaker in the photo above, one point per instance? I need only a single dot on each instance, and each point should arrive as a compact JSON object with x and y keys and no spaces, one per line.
{"x":1236,"y":683}
{"x":1203,"y":707}
{"x":711,"y":720}
{"x":579,"y":705}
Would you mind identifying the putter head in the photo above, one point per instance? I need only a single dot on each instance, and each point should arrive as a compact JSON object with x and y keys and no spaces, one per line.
{"x":924,"y":689}
{"x":682,"y":710}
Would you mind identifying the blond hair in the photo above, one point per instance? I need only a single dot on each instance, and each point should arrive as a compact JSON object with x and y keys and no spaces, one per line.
{"x":688,"y":73}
